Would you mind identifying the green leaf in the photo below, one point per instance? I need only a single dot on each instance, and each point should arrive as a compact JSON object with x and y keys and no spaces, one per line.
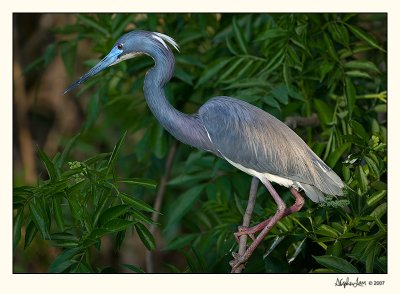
{"x":64,"y":236}
{"x":362,"y":64}
{"x":358,"y":74}
{"x":286,"y":74}
{"x":373,"y":168}
{"x":63,"y":260}
{"x":64,"y":243}
{"x":92,"y":111}
{"x":184,"y":76}
{"x":348,"y":16}
{"x":335,"y":249}
{"x":38,"y":216}
{"x":44,"y":60}
{"x":211,"y":71}
{"x":190,"y":60}
{"x":350,"y":92}
{"x":339,"y":265}
{"x":30,"y":234}
{"x":183,"y":203}
{"x":331,"y":49}
{"x":81,"y":267}
{"x":294,"y":58}
{"x":94,"y":235}
{"x":381,"y":108}
{"x":133,"y":268}
{"x":275,"y":61}
{"x":66,"y":151}
{"x":325,"y":112}
{"x":324,"y":69}
{"x":180,"y":242}
{"x":51,"y":170}
{"x":346,"y":172}
{"x":354,"y":139}
{"x":76,"y":208}
{"x":136,"y":203}
{"x":294,"y":94}
{"x":115,"y":153}
{"x":294,"y":250}
{"x":68,"y":54}
{"x":380,"y":211}
{"x":370,"y":260}
{"x":158,"y":141}
{"x":119,"y":239}
{"x":359,"y":33}
{"x":148,"y":183}
{"x":118,"y":27}
{"x":270,"y":100}
{"x":116,"y":225}
{"x":113,"y":213}
{"x":362,"y":179}
{"x":328,"y":231}
{"x":299,"y":44}
{"x":359,"y":130}
{"x":17,"y":227}
{"x":97,"y":158}
{"x":276,"y":242}
{"x":137,"y":216}
{"x":230,"y":69}
{"x":90,"y":22}
{"x":273,"y":33}
{"x":231,"y":47}
{"x":376,"y":197}
{"x":58,"y":212}
{"x":281,"y":94}
{"x":239,"y":36}
{"x":187,"y":179}
{"x":336,"y":155}
{"x":145,"y":235}
{"x":339,"y":33}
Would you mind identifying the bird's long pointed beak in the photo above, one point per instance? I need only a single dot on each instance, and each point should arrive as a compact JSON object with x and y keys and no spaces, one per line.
{"x":107,"y":61}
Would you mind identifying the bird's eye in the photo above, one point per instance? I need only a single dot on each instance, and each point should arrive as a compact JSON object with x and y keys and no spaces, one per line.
{"x":119,"y":46}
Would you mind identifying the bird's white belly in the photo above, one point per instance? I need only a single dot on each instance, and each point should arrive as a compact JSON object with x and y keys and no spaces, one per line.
{"x":272,"y":178}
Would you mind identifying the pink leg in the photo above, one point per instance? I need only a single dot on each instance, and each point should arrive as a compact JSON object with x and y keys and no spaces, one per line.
{"x":257,"y":228}
{"x":266,"y":225}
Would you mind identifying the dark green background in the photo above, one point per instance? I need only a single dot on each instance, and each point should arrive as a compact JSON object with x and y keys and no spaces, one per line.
{"x":333,"y":65}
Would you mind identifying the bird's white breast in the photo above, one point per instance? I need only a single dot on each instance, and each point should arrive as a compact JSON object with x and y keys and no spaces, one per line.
{"x":272,"y":178}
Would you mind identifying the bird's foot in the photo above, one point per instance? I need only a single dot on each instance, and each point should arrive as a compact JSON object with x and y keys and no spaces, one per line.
{"x":250,"y":231}
{"x":238,"y":260}
{"x":244,"y":231}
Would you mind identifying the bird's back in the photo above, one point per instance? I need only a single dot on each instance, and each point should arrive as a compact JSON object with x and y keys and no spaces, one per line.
{"x":255,"y":140}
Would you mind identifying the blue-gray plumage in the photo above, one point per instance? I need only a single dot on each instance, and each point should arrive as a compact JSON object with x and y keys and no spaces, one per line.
{"x":246,"y":136}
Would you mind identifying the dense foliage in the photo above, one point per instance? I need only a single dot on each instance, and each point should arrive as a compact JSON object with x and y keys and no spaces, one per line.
{"x":289,"y":65}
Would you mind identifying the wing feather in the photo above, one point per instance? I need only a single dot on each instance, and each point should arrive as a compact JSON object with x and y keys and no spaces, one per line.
{"x":257,"y":140}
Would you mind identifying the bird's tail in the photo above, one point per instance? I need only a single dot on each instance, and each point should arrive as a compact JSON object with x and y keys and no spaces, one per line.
{"x":313,"y":193}
{"x":325,"y":181}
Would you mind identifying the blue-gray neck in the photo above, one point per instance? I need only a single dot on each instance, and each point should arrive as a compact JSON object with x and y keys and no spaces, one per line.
{"x":186,"y":128}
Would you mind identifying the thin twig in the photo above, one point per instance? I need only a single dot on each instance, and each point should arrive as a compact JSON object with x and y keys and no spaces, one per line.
{"x":158,"y":202}
{"x":246,"y":221}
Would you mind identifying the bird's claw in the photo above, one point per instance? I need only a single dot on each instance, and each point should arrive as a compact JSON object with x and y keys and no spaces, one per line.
{"x":243,"y":231}
{"x":237,"y":261}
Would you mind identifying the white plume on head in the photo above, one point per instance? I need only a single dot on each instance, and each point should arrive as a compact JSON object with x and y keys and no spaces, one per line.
{"x":161,"y":38}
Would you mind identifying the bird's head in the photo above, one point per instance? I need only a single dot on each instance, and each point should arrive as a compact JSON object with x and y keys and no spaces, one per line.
{"x":128,"y":46}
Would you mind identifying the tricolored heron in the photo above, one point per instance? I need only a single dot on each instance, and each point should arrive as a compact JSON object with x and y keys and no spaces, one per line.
{"x":247,"y":137}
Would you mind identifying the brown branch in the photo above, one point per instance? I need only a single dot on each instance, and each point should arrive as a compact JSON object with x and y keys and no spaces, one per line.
{"x":159,"y":200}
{"x":27,"y":151}
{"x":246,"y":221}
{"x":294,"y":121}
